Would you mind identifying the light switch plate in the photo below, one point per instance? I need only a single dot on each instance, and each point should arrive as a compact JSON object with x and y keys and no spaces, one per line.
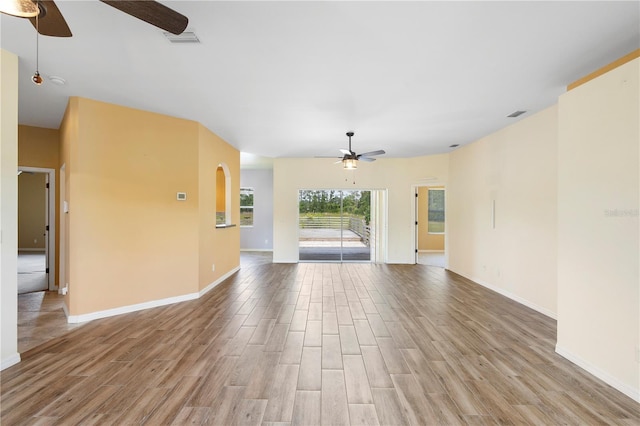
{"x":181,"y":196}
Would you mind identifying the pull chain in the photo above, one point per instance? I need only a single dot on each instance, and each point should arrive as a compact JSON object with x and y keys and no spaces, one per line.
{"x":37,"y":80}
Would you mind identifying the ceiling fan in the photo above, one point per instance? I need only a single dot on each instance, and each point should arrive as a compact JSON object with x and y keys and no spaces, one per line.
{"x":52,"y":23}
{"x":350,"y":159}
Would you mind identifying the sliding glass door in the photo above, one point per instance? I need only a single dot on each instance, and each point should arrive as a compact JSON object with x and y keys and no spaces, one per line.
{"x":334,"y":225}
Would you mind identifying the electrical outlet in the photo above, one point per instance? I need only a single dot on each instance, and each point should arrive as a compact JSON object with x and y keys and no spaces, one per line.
{"x":213,"y":267}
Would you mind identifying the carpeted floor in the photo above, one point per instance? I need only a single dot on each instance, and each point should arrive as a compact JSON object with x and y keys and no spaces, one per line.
{"x":432,"y":259}
{"x":31,"y":272}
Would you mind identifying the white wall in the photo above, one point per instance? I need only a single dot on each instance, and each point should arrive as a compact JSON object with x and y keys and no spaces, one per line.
{"x":260,"y":235}
{"x":517,"y":168}
{"x":396,"y":175}
{"x":9,"y":208}
{"x":598,"y":253}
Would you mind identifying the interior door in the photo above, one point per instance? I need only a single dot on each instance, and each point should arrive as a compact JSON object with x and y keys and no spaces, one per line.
{"x":46,"y":228}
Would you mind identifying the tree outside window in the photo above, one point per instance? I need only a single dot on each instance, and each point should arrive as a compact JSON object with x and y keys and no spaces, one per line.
{"x":436,"y":211}
{"x":246,"y":206}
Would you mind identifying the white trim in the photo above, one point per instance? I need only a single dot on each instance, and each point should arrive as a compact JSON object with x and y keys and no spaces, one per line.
{"x":514,"y":297}
{"x":52,"y":213}
{"x":434,"y":182}
{"x":218,"y":281}
{"x":9,"y":361}
{"x":74,"y":319}
{"x":257,"y":249}
{"x":600,"y":374}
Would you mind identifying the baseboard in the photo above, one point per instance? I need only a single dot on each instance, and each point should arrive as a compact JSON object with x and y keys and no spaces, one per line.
{"x":514,"y":297}
{"x":600,"y":374}
{"x":39,"y":250}
{"x":261,"y":250}
{"x":75,"y":319}
{"x":9,"y":361}
{"x":218,"y":281}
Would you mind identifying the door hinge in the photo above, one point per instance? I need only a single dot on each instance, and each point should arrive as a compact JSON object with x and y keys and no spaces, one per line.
{"x":47,"y":185}
{"x":416,"y":250}
{"x":416,"y":195}
{"x":46,"y":228}
{"x":47,"y":270}
{"x":416,"y":222}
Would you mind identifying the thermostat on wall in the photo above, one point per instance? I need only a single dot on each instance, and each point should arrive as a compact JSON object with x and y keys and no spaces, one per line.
{"x":181,"y":196}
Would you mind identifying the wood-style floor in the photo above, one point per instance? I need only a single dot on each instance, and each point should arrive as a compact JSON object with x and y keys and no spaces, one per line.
{"x":315,"y":344}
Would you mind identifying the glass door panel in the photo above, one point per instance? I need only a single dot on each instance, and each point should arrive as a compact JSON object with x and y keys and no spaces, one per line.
{"x":334,"y":225}
{"x":356,"y":208}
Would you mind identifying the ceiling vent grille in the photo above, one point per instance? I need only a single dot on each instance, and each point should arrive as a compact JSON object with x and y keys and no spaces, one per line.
{"x":516,"y":114}
{"x":185,"y":37}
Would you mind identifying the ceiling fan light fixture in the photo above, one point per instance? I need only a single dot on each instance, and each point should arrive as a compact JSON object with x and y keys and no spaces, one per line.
{"x":350,"y":163}
{"x":37,"y":79}
{"x":19,"y":8}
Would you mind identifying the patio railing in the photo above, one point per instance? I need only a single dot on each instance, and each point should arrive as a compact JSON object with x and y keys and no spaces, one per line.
{"x":354,"y":224}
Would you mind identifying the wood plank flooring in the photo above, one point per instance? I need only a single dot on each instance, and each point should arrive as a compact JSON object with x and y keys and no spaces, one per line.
{"x":308,"y":344}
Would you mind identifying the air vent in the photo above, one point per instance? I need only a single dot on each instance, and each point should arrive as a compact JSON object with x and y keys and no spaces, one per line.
{"x":455,"y":145}
{"x":185,"y":37}
{"x":516,"y":114}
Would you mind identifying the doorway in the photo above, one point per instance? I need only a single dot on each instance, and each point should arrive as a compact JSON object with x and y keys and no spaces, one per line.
{"x":430,"y":226}
{"x":336,"y":225}
{"x":36,"y":229}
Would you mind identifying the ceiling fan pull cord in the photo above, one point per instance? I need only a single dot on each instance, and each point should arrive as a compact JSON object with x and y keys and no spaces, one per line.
{"x":37,"y":80}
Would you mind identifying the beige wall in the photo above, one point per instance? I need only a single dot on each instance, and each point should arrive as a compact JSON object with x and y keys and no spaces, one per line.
{"x":8,"y":209}
{"x":130,"y":240}
{"x":398,"y":176}
{"x":40,"y":147}
{"x":219,"y":247}
{"x":598,"y":254}
{"x":516,"y":167}
{"x":427,"y":241}
{"x":32,"y":211}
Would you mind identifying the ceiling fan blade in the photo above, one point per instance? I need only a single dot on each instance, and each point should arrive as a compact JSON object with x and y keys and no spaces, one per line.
{"x":345,"y":151}
{"x":50,"y":21}
{"x":368,"y":154}
{"x":152,"y":12}
{"x":326,"y":156}
{"x":367,"y":159}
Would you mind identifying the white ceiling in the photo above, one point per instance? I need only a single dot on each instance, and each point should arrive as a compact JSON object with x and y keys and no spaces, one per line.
{"x":288,"y":79}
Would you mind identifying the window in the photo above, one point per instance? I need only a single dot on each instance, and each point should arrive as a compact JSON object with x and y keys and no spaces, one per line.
{"x":436,"y":211}
{"x":246,"y":206}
